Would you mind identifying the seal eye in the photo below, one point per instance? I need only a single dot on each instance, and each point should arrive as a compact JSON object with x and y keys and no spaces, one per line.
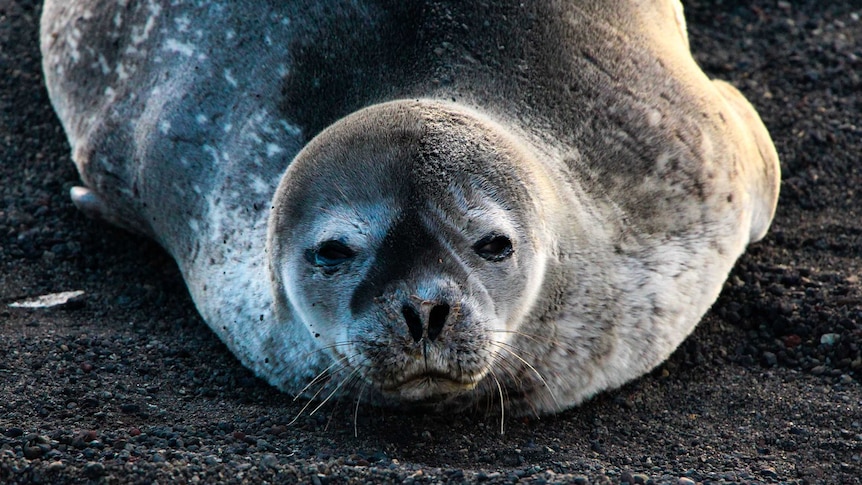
{"x":331,"y":253}
{"x":494,"y":247}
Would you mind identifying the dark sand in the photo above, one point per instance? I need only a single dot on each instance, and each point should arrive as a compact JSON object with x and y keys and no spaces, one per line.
{"x":129,"y":385}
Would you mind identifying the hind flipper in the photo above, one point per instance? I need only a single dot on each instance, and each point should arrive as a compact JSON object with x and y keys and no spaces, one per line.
{"x":760,"y":158}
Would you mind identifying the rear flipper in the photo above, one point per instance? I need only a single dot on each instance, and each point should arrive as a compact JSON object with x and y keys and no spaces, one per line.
{"x":760,"y":160}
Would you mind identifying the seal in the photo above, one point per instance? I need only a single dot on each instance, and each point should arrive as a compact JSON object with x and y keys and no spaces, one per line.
{"x":431,"y":203}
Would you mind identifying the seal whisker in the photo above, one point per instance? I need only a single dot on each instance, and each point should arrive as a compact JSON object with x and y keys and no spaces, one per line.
{"x":504,"y":346}
{"x":540,"y":339}
{"x":335,"y":390}
{"x":322,"y":374}
{"x":322,"y":387}
{"x":356,"y":410}
{"x":307,"y":404}
{"x":502,"y":405}
{"x":512,"y":370}
{"x":329,"y":347}
{"x":350,"y":380}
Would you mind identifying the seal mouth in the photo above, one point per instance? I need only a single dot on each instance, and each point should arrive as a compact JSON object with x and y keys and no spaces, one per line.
{"x":428,"y":386}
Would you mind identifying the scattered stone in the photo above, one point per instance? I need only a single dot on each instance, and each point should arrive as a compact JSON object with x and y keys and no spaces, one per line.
{"x":769,"y":472}
{"x":830,"y":338}
{"x":32,"y":452}
{"x":269,"y":461}
{"x":640,"y":479}
{"x":94,"y":470}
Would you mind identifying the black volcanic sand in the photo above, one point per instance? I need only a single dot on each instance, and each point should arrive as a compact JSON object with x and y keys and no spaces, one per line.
{"x":129,"y":385}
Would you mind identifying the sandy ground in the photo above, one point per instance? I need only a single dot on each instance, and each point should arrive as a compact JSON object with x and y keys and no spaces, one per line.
{"x":128,"y":385}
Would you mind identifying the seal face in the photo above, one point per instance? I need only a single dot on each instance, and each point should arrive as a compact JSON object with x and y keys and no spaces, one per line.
{"x":426,"y":245}
{"x":524,"y":201}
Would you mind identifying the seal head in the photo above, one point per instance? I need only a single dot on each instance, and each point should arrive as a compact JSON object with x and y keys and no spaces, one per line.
{"x":403,"y":238}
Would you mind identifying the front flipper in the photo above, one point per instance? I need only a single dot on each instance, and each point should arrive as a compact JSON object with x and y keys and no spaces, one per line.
{"x":95,"y":208}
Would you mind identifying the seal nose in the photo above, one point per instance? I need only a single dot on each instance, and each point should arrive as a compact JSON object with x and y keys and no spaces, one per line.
{"x":436,"y":321}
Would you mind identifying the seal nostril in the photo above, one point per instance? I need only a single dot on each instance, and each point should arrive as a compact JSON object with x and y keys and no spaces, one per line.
{"x":414,"y":322}
{"x":436,"y":320}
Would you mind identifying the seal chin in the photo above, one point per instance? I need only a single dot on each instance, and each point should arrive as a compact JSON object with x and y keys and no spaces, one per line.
{"x":427,"y":388}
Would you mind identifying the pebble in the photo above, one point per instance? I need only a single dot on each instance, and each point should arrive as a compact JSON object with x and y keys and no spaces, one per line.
{"x":32,"y":452}
{"x":685,"y":481}
{"x":129,"y":408}
{"x":640,"y":479}
{"x":830,"y":338}
{"x":94,"y":470}
{"x":269,"y":461}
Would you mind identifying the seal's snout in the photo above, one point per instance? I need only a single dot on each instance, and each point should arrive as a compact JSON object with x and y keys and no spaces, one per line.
{"x":431,"y":326}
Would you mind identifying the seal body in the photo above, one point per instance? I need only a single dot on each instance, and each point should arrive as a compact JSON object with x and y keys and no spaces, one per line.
{"x":431,"y":202}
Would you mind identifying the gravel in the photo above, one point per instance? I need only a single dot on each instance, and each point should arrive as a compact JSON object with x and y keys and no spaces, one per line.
{"x":128,"y":385}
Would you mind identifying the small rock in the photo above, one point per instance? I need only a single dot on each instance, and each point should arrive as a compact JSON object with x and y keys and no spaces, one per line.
{"x":269,"y":461}
{"x":14,"y":432}
{"x":129,"y":408}
{"x":830,"y":338}
{"x":685,"y":481}
{"x":56,"y":466}
{"x":791,"y":341}
{"x":769,"y":473}
{"x":770,"y":359}
{"x":640,"y":478}
{"x":94,"y":470}
{"x":32,"y":452}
